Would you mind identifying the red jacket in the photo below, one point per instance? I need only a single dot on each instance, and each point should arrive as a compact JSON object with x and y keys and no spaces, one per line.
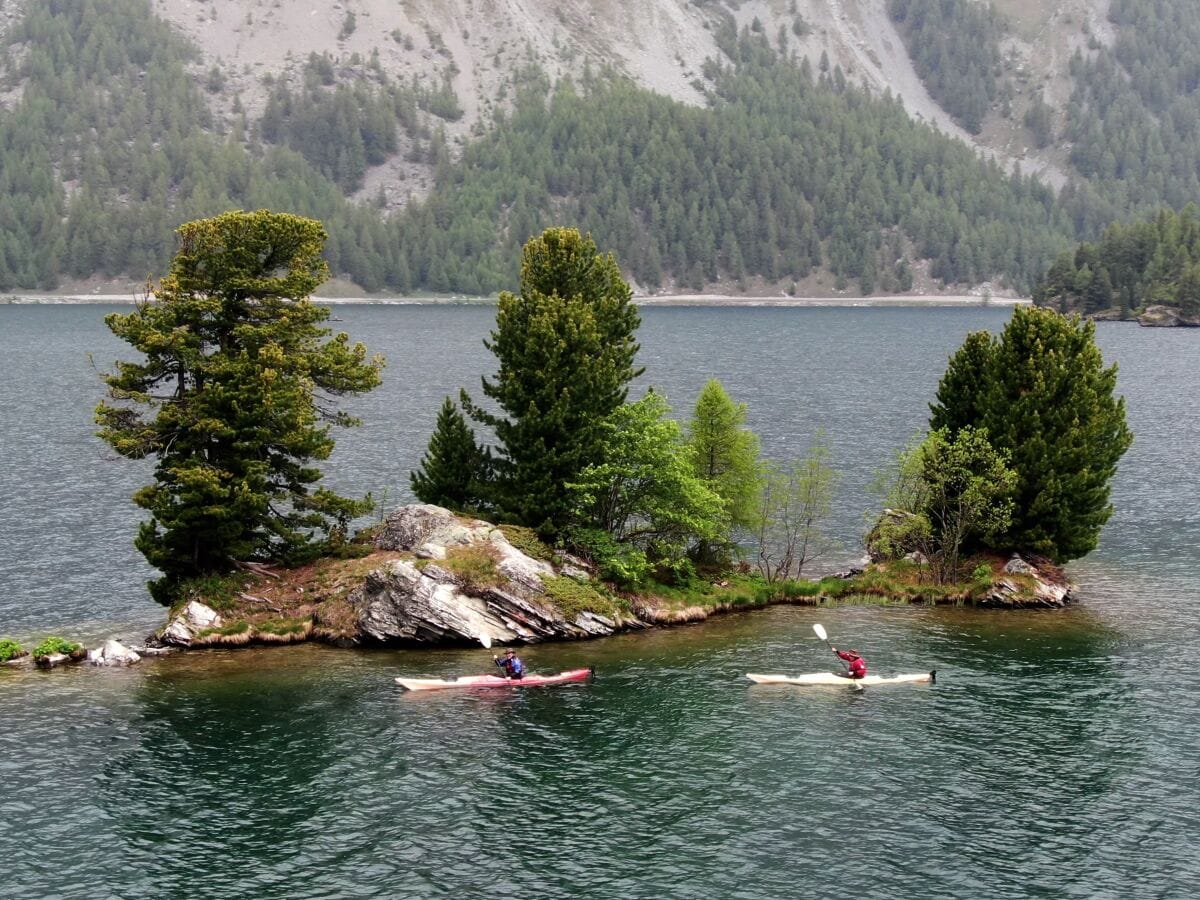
{"x":858,"y":665}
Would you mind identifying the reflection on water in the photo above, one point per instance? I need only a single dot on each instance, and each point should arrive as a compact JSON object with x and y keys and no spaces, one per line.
{"x":1052,"y":758}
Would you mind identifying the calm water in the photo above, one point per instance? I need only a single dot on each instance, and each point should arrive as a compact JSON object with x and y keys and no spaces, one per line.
{"x":1054,"y":758}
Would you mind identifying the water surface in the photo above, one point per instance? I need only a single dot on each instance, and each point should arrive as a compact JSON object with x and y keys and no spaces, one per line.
{"x":1052,"y":758}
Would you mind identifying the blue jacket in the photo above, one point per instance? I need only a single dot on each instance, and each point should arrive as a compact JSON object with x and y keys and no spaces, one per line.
{"x":513,"y":668}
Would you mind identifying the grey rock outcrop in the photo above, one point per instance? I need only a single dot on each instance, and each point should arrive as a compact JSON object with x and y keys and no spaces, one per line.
{"x":186,"y":624}
{"x":1166,"y":317}
{"x":432,"y":604}
{"x":1050,"y":588}
{"x":113,"y":653}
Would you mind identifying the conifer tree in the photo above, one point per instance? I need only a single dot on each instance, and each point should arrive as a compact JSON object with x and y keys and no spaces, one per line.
{"x":453,"y":471}
{"x":566,"y":349}
{"x":1046,"y":399}
{"x":234,"y":399}
{"x":726,"y":459}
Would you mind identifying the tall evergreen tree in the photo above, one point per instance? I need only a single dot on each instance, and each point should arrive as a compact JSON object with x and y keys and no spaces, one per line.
{"x":566,"y":349}
{"x":1045,"y":397}
{"x":234,"y":398}
{"x":453,"y":471}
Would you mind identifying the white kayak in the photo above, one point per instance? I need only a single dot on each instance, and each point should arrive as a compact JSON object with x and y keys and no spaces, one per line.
{"x":492,"y":681}
{"x":835,"y":678}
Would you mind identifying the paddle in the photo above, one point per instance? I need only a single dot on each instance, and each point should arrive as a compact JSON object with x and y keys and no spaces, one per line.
{"x":820,"y":631}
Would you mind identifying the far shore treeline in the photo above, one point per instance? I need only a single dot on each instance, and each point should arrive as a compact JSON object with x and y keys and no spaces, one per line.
{"x":789,"y":173}
{"x":234,"y":398}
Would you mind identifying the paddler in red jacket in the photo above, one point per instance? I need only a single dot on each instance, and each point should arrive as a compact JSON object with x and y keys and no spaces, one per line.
{"x":858,"y":665}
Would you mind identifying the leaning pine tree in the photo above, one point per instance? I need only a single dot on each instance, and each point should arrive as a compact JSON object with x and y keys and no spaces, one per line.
{"x":566,"y":349}
{"x":1047,"y":400}
{"x":234,"y":397}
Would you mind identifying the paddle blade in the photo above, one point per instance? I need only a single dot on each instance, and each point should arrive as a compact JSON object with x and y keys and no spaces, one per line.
{"x":485,"y":640}
{"x":820,"y":630}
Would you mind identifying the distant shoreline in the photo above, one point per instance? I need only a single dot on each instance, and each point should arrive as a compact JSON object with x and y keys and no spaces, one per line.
{"x":924,"y":300}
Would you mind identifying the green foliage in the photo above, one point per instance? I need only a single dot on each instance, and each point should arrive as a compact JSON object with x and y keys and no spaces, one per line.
{"x":645,"y":492}
{"x":474,"y":566}
{"x":778,"y":175}
{"x":573,"y":597}
{"x":1156,"y":261}
{"x":1045,"y":398}
{"x":725,"y":458}
{"x":955,"y":47}
{"x":454,"y":471}
{"x":224,"y":399}
{"x":527,"y":541}
{"x":229,"y":629}
{"x":9,"y":649}
{"x":791,"y":505}
{"x":55,"y":644}
{"x":217,"y":591}
{"x":967,"y":487}
{"x":565,"y":347}
{"x":625,"y":565}
{"x":1131,"y":118}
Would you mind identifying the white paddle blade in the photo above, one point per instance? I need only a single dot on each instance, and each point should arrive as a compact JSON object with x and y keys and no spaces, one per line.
{"x":820,"y":630}
{"x":486,"y":641}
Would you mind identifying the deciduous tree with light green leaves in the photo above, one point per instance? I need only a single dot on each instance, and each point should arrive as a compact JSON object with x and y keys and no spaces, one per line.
{"x":566,"y":348}
{"x":725,"y":456}
{"x":234,"y":397}
{"x":644,"y":492}
{"x":1045,"y":397}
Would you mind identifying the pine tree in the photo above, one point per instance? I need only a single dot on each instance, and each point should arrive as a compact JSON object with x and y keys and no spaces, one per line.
{"x":225,"y":399}
{"x":453,"y":471}
{"x":1042,"y":392}
{"x":566,"y":351}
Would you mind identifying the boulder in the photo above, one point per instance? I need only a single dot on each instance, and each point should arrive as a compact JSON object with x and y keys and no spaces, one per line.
{"x":51,"y":660}
{"x":113,"y":653}
{"x":427,"y":530}
{"x":401,"y":603}
{"x":1051,"y":587}
{"x":188,"y":622}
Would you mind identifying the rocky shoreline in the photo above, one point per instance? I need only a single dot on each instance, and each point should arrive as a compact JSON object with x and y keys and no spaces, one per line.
{"x":432,"y":578}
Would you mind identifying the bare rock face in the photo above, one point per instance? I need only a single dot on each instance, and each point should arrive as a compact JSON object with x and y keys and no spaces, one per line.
{"x":400,"y":602}
{"x":1166,"y":317}
{"x":189,"y":622}
{"x":113,"y":653}
{"x":1051,"y":588}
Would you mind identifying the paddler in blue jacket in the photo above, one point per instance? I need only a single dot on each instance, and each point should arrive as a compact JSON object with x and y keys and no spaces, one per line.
{"x":511,"y":664}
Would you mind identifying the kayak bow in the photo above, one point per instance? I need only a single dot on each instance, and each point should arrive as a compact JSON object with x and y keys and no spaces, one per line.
{"x":834,"y":678}
{"x":490,"y":681}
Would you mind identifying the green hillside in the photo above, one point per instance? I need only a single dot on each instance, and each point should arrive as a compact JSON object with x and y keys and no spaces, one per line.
{"x":107,"y":143}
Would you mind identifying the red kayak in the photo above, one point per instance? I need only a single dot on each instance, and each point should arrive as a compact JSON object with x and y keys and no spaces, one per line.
{"x":489,"y":681}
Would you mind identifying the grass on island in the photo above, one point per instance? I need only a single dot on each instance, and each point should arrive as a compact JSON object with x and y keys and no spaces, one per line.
{"x":55,"y":644}
{"x":10,"y":649}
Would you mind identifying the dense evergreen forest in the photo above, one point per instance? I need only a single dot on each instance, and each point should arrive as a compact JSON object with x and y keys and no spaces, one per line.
{"x":107,"y":143}
{"x":782,"y":172}
{"x":1134,"y":118}
{"x":955,"y":46}
{"x":1131,"y":266}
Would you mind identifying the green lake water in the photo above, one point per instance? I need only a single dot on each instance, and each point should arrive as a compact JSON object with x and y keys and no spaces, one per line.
{"x":1054,"y":757}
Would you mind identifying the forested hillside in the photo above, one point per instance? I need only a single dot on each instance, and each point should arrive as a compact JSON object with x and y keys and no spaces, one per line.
{"x":114,"y":129}
{"x":1156,"y":261}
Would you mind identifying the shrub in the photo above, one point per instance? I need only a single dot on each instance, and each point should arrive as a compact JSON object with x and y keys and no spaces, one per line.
{"x":56,"y":644}
{"x":527,"y":541}
{"x":474,"y":566}
{"x":9,"y":649}
{"x":573,"y":597}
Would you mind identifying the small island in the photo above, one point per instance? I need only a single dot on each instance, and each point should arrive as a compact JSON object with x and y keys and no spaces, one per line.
{"x":609,"y":514}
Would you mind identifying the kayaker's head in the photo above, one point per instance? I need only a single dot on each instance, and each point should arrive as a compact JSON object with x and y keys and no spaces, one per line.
{"x":855,"y":654}
{"x":510,"y":652}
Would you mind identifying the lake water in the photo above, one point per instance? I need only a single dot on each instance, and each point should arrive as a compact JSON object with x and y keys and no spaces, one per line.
{"x":1055,"y":757}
